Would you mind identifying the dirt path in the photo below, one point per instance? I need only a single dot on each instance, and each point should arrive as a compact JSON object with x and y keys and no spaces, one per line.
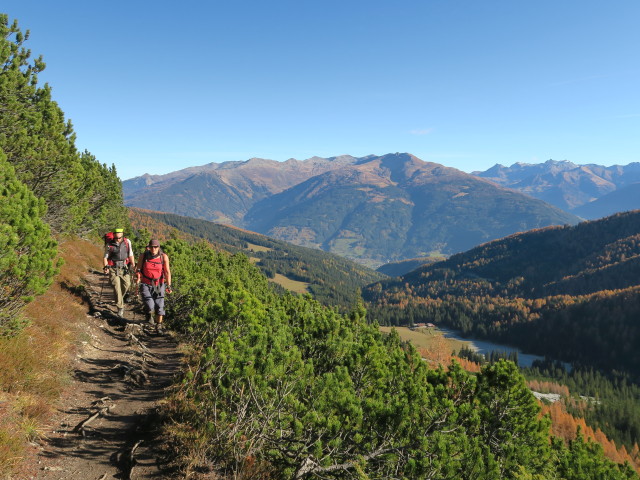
{"x":106,"y":427}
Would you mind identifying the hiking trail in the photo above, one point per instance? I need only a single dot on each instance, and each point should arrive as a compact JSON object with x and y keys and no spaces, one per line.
{"x":106,"y":424}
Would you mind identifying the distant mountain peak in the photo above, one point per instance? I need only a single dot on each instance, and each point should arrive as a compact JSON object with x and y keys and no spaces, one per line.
{"x":561,"y":182}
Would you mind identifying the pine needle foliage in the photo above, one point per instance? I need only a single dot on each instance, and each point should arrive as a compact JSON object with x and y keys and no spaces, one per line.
{"x":27,"y":250}
{"x":48,"y":187}
{"x":280,"y":386}
{"x":39,"y":142}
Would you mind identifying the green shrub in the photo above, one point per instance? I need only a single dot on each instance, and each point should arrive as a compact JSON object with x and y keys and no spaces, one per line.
{"x":27,"y":249}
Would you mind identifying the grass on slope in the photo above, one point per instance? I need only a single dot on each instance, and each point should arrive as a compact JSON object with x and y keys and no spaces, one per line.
{"x":34,"y":364}
{"x":291,"y":285}
{"x":257,"y":248}
{"x":427,"y":339}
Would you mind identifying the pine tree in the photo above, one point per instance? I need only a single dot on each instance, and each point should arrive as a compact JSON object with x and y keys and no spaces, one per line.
{"x":39,"y":142}
{"x":27,"y":249}
{"x":101,"y":197}
{"x":510,"y":425}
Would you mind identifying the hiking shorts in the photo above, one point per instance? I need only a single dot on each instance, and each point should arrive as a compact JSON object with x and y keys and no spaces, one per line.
{"x":153,"y":297}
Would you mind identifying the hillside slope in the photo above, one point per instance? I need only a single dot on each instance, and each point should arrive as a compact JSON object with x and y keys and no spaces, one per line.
{"x":578,"y":260}
{"x":332,"y":280}
{"x":276,"y":380}
{"x":569,"y":292}
{"x":621,"y":200}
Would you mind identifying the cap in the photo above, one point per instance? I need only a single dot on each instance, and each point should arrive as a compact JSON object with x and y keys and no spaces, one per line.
{"x":154,"y":243}
{"x":119,"y":230}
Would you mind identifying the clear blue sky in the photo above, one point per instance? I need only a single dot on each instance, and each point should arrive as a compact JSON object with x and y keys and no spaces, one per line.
{"x":158,"y":86}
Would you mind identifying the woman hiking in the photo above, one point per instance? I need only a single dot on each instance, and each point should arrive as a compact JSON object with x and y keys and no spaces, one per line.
{"x":154,"y":276}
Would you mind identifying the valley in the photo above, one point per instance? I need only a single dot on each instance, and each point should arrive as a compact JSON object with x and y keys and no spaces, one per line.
{"x":426,"y":338}
{"x":546,"y":290}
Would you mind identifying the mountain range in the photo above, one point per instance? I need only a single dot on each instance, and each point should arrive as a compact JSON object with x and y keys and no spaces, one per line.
{"x":373,"y":209}
{"x":589,"y":191}
{"x":223,"y":192}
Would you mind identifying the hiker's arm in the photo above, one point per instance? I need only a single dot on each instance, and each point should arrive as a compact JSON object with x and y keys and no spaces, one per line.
{"x":138,"y":265}
{"x":167,"y":270}
{"x":132,"y":259}
{"x":105,"y":260}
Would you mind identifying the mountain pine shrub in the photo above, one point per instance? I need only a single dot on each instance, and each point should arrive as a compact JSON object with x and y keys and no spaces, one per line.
{"x":27,"y":249}
{"x":279,"y":386}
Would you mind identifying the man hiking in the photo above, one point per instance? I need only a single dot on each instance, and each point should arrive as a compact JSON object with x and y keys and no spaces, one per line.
{"x":119,"y":263}
{"x":154,"y":277}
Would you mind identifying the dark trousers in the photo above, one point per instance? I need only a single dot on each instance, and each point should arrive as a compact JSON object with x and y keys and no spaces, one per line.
{"x":153,"y":297}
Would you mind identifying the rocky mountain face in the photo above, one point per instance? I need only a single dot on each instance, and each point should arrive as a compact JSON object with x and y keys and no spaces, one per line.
{"x":569,"y":186}
{"x":373,"y":209}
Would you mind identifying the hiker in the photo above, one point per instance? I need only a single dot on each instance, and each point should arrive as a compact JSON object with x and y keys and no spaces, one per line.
{"x":154,"y":276}
{"x":119,"y":263}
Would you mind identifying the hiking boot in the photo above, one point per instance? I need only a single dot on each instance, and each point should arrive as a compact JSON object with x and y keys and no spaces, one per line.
{"x":121,"y":312}
{"x":148,"y":318}
{"x":159,"y":329}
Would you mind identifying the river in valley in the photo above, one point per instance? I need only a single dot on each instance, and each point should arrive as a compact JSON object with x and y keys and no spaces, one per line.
{"x":485,"y":347}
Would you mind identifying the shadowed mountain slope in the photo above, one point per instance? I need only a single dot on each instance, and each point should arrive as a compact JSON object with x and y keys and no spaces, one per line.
{"x":621,"y":200}
{"x":572,"y":293}
{"x":571,"y":260}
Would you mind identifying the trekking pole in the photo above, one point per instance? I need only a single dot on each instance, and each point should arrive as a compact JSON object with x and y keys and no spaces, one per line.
{"x":101,"y":289}
{"x":136,"y":300}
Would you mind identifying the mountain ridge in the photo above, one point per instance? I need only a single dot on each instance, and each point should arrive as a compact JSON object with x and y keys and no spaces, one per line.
{"x":398,"y":207}
{"x":567,"y":185}
{"x":373,"y":209}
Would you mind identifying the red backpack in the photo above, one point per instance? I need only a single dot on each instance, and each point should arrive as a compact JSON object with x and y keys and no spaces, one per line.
{"x":152,"y":268}
{"x":108,"y":238}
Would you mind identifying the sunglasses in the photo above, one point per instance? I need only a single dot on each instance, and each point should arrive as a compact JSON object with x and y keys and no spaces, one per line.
{"x":155,"y":246}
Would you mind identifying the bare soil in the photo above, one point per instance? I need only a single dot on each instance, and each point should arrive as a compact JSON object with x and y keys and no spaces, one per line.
{"x":107,"y":425}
